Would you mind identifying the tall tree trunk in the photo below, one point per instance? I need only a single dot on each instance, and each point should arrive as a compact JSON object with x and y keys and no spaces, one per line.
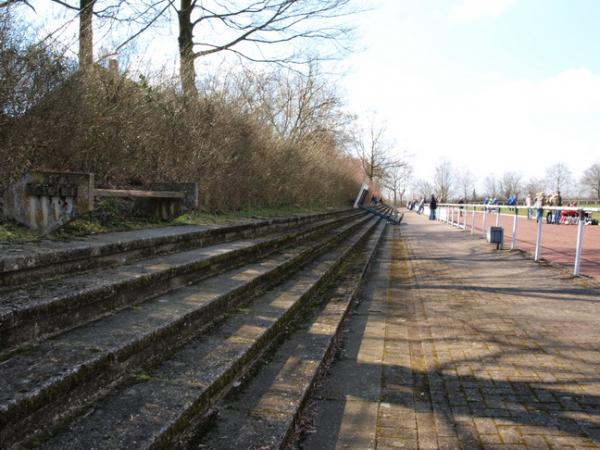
{"x":86,"y":33}
{"x":187,"y":71}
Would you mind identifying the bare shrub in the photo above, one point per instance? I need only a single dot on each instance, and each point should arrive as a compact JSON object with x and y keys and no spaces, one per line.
{"x":131,"y":134}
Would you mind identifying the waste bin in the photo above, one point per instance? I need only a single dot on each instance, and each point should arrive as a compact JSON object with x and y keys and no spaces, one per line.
{"x":495,"y":235}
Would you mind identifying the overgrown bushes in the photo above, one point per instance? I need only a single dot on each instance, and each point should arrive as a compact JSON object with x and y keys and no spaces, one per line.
{"x":129,"y":133}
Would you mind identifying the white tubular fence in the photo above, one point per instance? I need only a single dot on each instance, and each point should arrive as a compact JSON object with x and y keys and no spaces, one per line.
{"x":456,"y":214}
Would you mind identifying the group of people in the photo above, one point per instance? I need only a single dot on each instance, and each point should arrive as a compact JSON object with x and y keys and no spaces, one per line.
{"x":541,"y":200}
{"x":419,"y":206}
{"x":532,"y":203}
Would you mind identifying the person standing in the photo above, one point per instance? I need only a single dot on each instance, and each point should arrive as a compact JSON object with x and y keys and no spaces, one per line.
{"x":528,"y":203}
{"x":538,"y":204}
{"x":556,"y":213}
{"x":432,"y":207}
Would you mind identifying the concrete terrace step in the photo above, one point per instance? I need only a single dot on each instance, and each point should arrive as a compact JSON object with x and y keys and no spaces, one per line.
{"x":22,"y":263}
{"x":36,"y":310}
{"x":262,"y":414}
{"x":158,"y":408}
{"x":51,"y":380}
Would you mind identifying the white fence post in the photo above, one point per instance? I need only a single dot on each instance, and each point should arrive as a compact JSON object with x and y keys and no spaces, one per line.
{"x":473,"y":221}
{"x":513,"y":243}
{"x":498,"y":216}
{"x":579,"y":245}
{"x":483,"y":221}
{"x":538,"y":239}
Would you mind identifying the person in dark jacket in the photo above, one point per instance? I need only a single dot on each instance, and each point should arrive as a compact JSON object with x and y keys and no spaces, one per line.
{"x":432,"y":207}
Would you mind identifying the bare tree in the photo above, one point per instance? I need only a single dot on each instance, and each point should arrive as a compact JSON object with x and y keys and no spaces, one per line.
{"x":560,"y":178}
{"x":296,"y":106}
{"x":397,"y":181}
{"x":241,"y":27}
{"x":510,"y":184}
{"x":7,"y":3}
{"x":374,"y":151}
{"x":28,"y":71}
{"x":490,"y":185}
{"x":591,"y":180}
{"x":534,"y":185}
{"x":443,"y":180}
{"x":466,"y":183}
{"x":139,"y":14}
{"x":422,"y":189}
{"x":245,"y":27}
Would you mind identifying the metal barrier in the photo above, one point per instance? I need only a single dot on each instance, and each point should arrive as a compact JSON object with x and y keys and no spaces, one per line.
{"x":455,"y":214}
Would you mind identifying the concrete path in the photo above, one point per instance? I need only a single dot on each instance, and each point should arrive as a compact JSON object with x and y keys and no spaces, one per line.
{"x":455,"y":345}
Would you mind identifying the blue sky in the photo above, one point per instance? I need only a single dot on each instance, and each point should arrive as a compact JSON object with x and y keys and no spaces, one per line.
{"x":531,"y":38}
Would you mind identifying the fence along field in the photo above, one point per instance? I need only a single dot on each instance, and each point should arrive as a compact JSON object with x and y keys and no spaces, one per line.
{"x":575,"y":245}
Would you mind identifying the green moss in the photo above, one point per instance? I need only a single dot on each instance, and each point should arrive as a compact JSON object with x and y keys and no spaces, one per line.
{"x":12,"y":232}
{"x":140,"y":376}
{"x":110,"y":217}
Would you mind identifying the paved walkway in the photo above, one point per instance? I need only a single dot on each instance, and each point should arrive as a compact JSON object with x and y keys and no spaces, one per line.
{"x":458,"y":346}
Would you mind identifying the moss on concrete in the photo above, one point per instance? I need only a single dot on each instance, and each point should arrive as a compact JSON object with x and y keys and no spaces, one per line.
{"x":110,"y":217}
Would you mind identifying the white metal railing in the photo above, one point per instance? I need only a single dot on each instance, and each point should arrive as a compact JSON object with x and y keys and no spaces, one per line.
{"x":451,"y":213}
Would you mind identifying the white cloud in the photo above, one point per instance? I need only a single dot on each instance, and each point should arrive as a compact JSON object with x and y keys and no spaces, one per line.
{"x":488,"y":123}
{"x":477,"y":9}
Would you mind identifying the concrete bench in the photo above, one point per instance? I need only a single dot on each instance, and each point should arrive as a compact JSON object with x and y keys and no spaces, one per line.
{"x":164,"y":200}
{"x":45,"y":200}
{"x":133,"y":193}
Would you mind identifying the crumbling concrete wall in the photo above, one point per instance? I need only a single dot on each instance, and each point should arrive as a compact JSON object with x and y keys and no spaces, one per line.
{"x":45,"y":200}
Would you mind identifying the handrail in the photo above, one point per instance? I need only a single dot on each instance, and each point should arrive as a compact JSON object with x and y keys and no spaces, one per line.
{"x":546,"y":207}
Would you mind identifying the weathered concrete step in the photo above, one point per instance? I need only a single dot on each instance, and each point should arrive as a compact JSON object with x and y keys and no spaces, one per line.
{"x":263,"y":413}
{"x":34,"y":311}
{"x":31,"y":262}
{"x":161,"y":404}
{"x":42,"y":385}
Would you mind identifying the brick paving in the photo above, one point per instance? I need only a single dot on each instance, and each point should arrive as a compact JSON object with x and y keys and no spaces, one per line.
{"x":485,"y":349}
{"x":458,"y":346}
